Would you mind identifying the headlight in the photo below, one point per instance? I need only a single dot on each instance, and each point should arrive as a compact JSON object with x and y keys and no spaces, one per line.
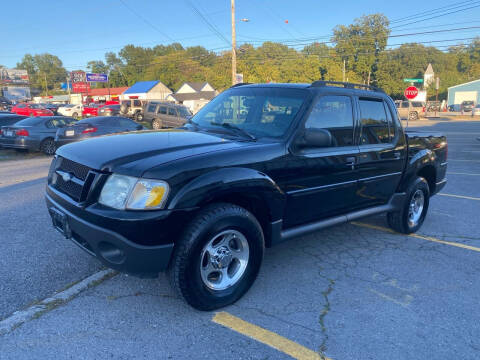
{"x":126,"y":192}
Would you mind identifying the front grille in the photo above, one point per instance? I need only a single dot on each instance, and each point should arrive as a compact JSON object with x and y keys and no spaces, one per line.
{"x":80,"y":171}
{"x":70,"y":188}
{"x":72,"y":178}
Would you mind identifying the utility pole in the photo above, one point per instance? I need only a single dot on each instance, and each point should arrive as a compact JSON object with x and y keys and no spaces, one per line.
{"x":234,"y":46}
{"x":46,"y":85}
{"x":437,"y":105}
{"x":343,"y":70}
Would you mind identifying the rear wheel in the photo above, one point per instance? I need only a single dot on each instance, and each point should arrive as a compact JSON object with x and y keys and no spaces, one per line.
{"x":218,"y":257}
{"x":156,"y":124}
{"x":412,"y":214}
{"x":48,"y":146}
{"x":75,"y":115}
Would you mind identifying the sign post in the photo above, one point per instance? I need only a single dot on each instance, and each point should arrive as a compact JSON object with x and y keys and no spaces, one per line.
{"x":410,"y":93}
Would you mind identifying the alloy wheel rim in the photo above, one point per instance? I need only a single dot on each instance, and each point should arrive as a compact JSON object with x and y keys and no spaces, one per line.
{"x":224,"y":260}
{"x":50,"y":147}
{"x":415,"y":208}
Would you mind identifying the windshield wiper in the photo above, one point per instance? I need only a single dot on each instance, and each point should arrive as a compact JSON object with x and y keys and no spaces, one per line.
{"x":235,"y":128}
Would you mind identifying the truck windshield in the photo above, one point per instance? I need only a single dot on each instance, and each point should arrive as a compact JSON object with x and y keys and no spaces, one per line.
{"x":262,"y":112}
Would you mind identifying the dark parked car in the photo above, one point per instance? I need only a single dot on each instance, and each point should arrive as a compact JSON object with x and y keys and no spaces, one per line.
{"x":34,"y":133}
{"x":52,"y":107}
{"x":467,"y":106}
{"x":165,"y":115}
{"x":257,"y":165}
{"x":95,"y":126}
{"x":109,"y":110}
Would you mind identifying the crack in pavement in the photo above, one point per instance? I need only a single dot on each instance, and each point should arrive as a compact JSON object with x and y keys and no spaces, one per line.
{"x":321,"y":320}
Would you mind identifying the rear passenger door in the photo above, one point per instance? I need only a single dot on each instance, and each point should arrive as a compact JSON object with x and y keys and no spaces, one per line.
{"x":382,"y":152}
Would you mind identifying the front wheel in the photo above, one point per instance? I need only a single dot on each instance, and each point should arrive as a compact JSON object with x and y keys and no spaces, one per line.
{"x":218,"y":257}
{"x":413,"y":116}
{"x":412,"y":214}
{"x":138,"y":117}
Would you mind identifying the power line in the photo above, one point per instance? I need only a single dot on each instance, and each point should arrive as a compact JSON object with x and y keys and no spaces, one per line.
{"x":431,"y":11}
{"x":208,"y":23}
{"x":140,"y":16}
{"x":437,"y":16}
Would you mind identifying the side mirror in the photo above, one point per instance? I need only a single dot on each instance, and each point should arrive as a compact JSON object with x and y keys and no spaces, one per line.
{"x":315,"y":138}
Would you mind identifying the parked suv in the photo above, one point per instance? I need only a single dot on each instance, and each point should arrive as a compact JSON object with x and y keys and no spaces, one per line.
{"x":165,"y":115}
{"x":259,"y":164}
{"x":413,"y":110}
{"x":132,"y":108}
{"x":467,"y":106}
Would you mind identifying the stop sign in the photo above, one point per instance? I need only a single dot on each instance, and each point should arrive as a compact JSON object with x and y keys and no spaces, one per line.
{"x":411,"y":92}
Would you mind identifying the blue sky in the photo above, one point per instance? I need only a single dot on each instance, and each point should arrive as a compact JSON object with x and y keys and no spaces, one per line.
{"x":79,"y":31}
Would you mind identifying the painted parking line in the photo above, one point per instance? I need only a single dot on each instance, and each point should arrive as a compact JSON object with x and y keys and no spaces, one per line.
{"x":463,"y":160}
{"x":460,"y":196}
{"x":428,"y":238}
{"x":462,"y":173}
{"x":266,"y":337}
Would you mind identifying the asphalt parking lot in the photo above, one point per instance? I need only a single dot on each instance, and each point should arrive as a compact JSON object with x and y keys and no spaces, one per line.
{"x":356,"y":291}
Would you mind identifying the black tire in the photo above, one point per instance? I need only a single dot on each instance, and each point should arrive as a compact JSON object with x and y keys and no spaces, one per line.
{"x":138,"y":117}
{"x":185,"y":267}
{"x":156,"y":124}
{"x":413,"y":116}
{"x":75,"y":115}
{"x":48,"y":146}
{"x":400,"y":221}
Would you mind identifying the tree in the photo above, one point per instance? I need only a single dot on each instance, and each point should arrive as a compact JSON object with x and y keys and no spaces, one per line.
{"x":45,"y":71}
{"x":361,"y":43}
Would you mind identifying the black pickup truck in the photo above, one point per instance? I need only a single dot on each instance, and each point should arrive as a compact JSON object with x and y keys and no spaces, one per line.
{"x":258,"y":165}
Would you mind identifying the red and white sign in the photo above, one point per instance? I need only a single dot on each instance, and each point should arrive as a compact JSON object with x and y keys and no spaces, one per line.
{"x":411,"y":92}
{"x":80,"y":87}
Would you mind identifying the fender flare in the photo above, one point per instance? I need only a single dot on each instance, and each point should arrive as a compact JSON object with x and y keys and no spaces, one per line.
{"x":416,"y":163}
{"x":228,"y":181}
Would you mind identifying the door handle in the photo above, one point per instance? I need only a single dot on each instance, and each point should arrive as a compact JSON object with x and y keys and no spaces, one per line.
{"x":397,"y":155}
{"x":350,"y":161}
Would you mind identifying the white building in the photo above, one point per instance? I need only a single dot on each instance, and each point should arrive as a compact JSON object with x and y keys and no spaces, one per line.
{"x":193,"y":95}
{"x":146,"y":90}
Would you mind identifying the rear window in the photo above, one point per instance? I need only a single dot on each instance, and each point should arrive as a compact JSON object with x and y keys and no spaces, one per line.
{"x":137,"y":103}
{"x":30,"y":121}
{"x":417,"y":104}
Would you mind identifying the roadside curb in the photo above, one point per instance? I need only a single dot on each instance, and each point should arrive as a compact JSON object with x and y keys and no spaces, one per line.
{"x":38,"y":309}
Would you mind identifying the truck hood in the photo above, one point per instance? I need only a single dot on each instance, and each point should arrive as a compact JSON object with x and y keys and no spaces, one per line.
{"x":134,"y":153}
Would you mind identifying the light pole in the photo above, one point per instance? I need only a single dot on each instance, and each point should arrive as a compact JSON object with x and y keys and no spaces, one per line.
{"x":234,"y":46}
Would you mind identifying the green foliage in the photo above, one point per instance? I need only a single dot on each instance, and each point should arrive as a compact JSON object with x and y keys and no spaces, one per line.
{"x":46,"y":71}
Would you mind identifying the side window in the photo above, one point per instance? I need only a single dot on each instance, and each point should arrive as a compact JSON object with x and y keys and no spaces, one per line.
{"x":162,"y":110}
{"x":404,"y":104}
{"x":172,"y":112}
{"x":333,"y":113}
{"x":374,"y":122}
{"x":151,"y":107}
{"x":21,"y":106}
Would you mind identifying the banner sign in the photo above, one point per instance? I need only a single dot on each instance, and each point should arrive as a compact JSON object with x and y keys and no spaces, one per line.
{"x":77,"y":76}
{"x":97,"y":77}
{"x":80,"y":87}
{"x":13,"y":76}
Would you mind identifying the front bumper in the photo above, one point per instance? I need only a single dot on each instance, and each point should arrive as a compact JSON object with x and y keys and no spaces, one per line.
{"x":112,"y":248}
